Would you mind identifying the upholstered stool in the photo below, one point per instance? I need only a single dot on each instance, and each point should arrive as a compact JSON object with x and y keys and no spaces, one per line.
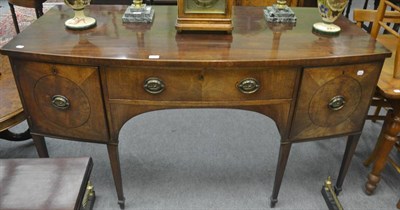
{"x":45,"y":183}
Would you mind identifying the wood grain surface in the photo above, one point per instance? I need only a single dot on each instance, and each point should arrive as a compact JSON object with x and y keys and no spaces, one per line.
{"x":11,"y":111}
{"x":253,"y":41}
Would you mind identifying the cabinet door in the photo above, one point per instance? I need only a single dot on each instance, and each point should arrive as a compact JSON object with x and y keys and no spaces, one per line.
{"x":333,"y":100}
{"x":62,"y":100}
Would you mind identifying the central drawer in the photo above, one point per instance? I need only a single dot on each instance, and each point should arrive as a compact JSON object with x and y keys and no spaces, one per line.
{"x":165,"y":84}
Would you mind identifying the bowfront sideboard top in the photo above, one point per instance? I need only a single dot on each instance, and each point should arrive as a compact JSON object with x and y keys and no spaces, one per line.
{"x":253,"y":41}
{"x":84,"y":85}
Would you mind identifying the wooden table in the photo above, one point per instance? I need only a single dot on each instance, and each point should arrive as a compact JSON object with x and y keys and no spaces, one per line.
{"x":11,"y":111}
{"x":84,"y":85}
{"x":58,"y":183}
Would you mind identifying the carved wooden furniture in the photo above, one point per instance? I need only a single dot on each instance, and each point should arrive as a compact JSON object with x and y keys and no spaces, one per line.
{"x":388,"y":91}
{"x":11,"y":112}
{"x":368,"y":16}
{"x":36,"y":4}
{"x":48,"y":183}
{"x":379,"y":100}
{"x":84,"y":85}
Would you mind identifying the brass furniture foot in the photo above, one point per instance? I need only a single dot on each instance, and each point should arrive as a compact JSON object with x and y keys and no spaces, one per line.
{"x":121,"y":203}
{"x":273,"y":201}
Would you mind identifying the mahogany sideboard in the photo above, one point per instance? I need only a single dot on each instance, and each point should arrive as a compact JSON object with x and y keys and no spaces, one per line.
{"x":84,"y":85}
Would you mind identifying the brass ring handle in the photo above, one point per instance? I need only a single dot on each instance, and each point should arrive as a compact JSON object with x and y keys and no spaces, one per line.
{"x":248,"y":86}
{"x":154,"y":85}
{"x":336,"y":103}
{"x":60,"y":102}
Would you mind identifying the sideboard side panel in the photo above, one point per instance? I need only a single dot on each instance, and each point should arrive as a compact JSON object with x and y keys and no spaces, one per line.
{"x":313,"y":118}
{"x":41,"y":84}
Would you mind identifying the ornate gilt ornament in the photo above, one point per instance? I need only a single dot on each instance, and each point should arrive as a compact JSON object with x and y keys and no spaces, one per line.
{"x":80,"y":21}
{"x":329,"y":10}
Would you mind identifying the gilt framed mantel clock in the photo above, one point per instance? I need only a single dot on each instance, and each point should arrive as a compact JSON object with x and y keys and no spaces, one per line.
{"x":204,"y":15}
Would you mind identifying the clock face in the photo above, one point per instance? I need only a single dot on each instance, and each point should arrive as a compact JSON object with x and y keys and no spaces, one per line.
{"x":205,"y":6}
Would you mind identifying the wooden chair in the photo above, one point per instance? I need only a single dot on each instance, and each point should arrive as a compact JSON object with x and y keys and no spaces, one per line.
{"x":388,"y":88}
{"x":362,"y":16}
{"x":11,"y":111}
{"x":391,"y":66}
{"x":348,"y":8}
{"x":36,"y":4}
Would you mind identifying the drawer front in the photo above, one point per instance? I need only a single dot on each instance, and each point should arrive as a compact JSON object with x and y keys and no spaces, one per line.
{"x":63,"y":100}
{"x":200,"y":85}
{"x":333,"y":100}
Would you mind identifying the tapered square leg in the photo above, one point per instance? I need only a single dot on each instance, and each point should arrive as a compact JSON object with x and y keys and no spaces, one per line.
{"x":284,"y":152}
{"x":351,"y":145}
{"x":40,"y":145}
{"x":113,"y":155}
